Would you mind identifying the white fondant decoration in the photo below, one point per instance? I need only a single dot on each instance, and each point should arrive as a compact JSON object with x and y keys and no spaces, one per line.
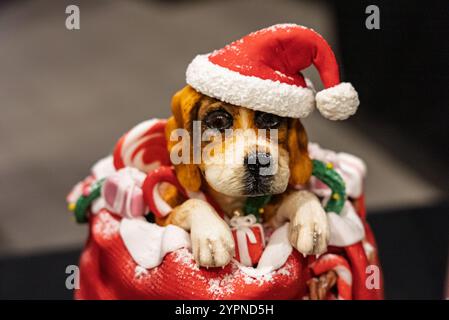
{"x":174,"y":238}
{"x":275,"y":254}
{"x":103,"y":168}
{"x":255,"y":93}
{"x":338,"y":102}
{"x":148,"y":243}
{"x":353,"y":171}
{"x":345,"y":228}
{"x":97,"y":205}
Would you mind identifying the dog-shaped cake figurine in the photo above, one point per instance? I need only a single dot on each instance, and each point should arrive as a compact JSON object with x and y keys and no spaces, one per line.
{"x":227,"y":199}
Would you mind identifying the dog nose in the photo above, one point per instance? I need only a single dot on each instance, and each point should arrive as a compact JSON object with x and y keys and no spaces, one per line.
{"x":256,"y":161}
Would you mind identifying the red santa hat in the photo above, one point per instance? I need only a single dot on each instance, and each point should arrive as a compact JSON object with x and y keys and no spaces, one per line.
{"x":262,"y":71}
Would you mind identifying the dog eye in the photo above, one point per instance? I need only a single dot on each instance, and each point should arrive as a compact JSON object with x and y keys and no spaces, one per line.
{"x":218,"y":119}
{"x":267,"y":120}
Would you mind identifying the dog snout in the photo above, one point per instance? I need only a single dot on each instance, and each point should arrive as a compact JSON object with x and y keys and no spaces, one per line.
{"x":255,"y":162}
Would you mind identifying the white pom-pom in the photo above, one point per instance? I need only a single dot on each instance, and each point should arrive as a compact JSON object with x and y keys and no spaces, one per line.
{"x":339,"y":102}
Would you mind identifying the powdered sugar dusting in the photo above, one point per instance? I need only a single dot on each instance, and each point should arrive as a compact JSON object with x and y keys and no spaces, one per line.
{"x":283,"y":75}
{"x":106,"y":225}
{"x":281,"y":26}
{"x":261,"y":276}
{"x":140,"y":272}
{"x":221,"y":286}
{"x":285,"y":271}
{"x":185,"y":257}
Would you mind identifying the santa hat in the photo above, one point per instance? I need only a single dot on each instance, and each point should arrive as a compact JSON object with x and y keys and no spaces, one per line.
{"x":262,"y":71}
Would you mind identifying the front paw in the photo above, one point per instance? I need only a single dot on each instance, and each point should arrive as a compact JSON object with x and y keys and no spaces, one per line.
{"x":309,"y":229}
{"x":212,"y":241}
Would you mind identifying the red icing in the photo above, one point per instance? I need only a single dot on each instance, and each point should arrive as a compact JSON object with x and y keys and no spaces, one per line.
{"x":280,"y":54}
{"x":109,"y":272}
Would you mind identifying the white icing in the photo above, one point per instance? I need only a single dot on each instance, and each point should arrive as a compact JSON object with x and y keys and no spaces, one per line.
{"x":346,"y":228}
{"x":353,"y":170}
{"x":97,"y":205}
{"x":252,"y":92}
{"x":106,"y":225}
{"x":338,"y":102}
{"x":174,"y":238}
{"x":140,"y":272}
{"x":103,"y":168}
{"x":148,"y":243}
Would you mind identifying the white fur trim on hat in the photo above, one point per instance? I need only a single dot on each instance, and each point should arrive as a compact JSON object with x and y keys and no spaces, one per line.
{"x":282,"y":99}
{"x":339,"y":102}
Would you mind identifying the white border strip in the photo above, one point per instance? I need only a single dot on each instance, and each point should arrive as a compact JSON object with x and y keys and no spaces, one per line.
{"x":282,"y":99}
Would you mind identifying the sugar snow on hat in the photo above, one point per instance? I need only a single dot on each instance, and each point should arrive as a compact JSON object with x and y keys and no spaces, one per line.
{"x":262,"y":71}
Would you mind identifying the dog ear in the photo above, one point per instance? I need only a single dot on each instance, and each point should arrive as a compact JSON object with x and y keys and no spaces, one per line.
{"x":300,"y":163}
{"x":185,"y":105}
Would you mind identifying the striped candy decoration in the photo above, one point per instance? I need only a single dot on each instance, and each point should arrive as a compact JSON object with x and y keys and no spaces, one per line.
{"x":152,"y":197}
{"x":144,"y":147}
{"x":338,"y":264}
{"x":158,"y":206}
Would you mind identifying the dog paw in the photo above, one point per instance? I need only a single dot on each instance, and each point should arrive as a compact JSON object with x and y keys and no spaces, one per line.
{"x":211,"y":237}
{"x":309,"y":229}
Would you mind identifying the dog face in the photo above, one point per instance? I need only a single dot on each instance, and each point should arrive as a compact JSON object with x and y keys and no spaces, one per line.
{"x":246,"y":154}
{"x":243,"y":152}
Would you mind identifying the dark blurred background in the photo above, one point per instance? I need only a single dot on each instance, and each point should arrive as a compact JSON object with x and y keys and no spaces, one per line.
{"x":66,"y":96}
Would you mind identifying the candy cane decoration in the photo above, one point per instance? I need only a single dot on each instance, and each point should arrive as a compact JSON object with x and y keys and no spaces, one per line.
{"x":150,"y":187}
{"x":338,"y":264}
{"x":143,"y":147}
